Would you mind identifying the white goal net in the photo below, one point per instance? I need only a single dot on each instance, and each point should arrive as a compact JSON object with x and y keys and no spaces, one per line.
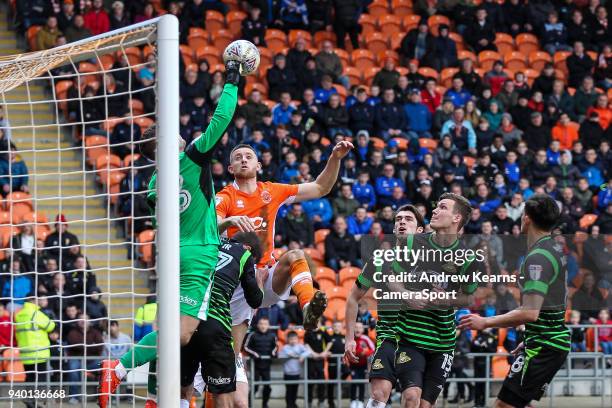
{"x":79,"y":275}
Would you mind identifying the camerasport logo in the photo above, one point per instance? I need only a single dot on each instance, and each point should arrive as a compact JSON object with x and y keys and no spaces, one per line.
{"x":218,"y":380}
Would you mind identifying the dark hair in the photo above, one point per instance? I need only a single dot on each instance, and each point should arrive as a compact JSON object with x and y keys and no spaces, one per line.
{"x":242,"y":146}
{"x":291,"y":333}
{"x":148,"y":144}
{"x":114,"y":323}
{"x":462,"y":206}
{"x":411,"y":208}
{"x":250,"y":239}
{"x":543,"y":211}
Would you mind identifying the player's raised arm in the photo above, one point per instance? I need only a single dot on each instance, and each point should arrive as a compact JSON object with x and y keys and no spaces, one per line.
{"x":352,"y":305}
{"x":224,"y":111}
{"x":326,"y":180}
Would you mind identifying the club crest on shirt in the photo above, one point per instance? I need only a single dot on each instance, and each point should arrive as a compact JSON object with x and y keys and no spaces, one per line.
{"x":535,"y":271}
{"x":377,"y":365}
{"x":403,"y":358}
{"x":266,"y":197}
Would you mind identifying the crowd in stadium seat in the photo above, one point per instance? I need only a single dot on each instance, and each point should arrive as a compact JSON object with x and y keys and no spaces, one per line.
{"x":494,"y":100}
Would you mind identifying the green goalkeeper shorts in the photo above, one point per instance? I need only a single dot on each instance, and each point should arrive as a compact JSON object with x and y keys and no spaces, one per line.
{"x":196,"y":275}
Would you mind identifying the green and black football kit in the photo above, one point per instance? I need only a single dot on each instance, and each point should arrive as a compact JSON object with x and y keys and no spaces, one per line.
{"x":547,"y":340}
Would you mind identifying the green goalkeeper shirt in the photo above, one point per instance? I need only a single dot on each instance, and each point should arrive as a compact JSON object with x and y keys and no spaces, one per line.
{"x":198,"y":218}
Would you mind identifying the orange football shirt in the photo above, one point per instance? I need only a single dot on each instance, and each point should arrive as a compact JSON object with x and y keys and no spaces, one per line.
{"x":261,"y":207}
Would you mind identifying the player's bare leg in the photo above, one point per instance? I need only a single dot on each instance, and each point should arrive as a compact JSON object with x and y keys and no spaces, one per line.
{"x":241,"y":396}
{"x":239,"y":332}
{"x":411,"y":397}
{"x":380,"y":391}
{"x":189,"y":325}
{"x":502,"y":404}
{"x":293,"y":270}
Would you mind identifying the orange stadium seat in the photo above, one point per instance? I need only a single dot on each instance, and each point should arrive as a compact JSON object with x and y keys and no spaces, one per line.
{"x":402,"y":144}
{"x":376,"y":42}
{"x":134,"y":54}
{"x":265,"y":57}
{"x":214,"y":21}
{"x":276,"y":40}
{"x":106,"y":62}
{"x":500,"y":364}
{"x":61,"y":94}
{"x":198,"y":40}
{"x":12,"y":366}
{"x":325,"y":273}
{"x":362,"y":59}
{"x":531,"y":75}
{"x":469,"y":161}
{"x":527,"y":43}
{"x":343,"y":55}
{"x":383,"y":55}
{"x":587,"y":220}
{"x":210,"y":53}
{"x":435,"y":21}
{"x":378,"y":143}
{"x":321,"y":36}
{"x":315,"y":255}
{"x":458,"y":39}
{"x":348,"y":274}
{"x":129,"y":159}
{"x":504,"y":42}
{"x":222,"y":38}
{"x":559,"y":60}
{"x":389,"y":24}
{"x":145,"y":239}
{"x":234,"y":21}
{"x":108,"y":161}
{"x":353,"y":74}
{"x":515,"y":60}
{"x":378,"y":8}
{"x":410,"y":22}
{"x":428,"y":143}
{"x":446,"y":76}
{"x":486,"y":59}
{"x":95,"y":146}
{"x":428,"y":72}
{"x":465,"y":54}
{"x":401,"y":8}
{"x":186,"y":53}
{"x":538,"y":59}
{"x":368,"y":23}
{"x":250,"y":87}
{"x":18,"y":198}
{"x":295,"y":34}
{"x":136,"y":107}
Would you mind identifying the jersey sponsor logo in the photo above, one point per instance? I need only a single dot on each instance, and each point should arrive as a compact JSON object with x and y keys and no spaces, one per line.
{"x":188,"y":300}
{"x":377,"y":365}
{"x":517,"y":365}
{"x":259,"y":223}
{"x":218,"y":380}
{"x":239,"y":203}
{"x":403,"y":358}
{"x":184,"y":196}
{"x":266,"y":197}
{"x":535,"y":272}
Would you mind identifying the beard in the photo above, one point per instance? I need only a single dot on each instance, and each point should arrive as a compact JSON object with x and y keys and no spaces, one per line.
{"x":245,"y":174}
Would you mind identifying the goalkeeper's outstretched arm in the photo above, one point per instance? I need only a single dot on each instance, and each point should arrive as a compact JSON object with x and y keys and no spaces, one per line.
{"x":224,"y":111}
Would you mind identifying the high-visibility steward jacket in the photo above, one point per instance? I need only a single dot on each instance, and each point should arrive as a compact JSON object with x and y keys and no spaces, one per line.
{"x":32,"y":328}
{"x":144,"y":319}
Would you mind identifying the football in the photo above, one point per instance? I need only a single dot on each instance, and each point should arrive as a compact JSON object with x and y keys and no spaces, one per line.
{"x":244,"y":52}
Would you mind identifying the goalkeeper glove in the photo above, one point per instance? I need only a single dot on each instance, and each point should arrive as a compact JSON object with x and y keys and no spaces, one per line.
{"x":232,"y":72}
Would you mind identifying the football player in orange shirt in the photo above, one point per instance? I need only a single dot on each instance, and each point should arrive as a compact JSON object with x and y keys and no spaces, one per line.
{"x":249,"y":205}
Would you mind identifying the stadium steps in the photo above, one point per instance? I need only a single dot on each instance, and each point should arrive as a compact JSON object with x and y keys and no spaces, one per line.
{"x":59,"y":173}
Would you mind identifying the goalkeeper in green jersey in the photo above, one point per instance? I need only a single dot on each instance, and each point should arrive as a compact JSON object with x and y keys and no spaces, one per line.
{"x":199,"y":237}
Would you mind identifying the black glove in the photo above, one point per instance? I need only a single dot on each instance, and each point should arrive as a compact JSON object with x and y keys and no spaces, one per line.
{"x":232,"y":72}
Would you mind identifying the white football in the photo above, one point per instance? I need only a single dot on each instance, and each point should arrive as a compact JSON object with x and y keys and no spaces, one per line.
{"x":244,"y":52}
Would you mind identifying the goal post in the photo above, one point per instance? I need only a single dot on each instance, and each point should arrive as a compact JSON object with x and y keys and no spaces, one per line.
{"x":81,"y":163}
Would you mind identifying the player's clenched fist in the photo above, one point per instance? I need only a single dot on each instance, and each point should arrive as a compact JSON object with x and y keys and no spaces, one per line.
{"x":341,"y":149}
{"x":242,"y":222}
{"x":349,"y":352}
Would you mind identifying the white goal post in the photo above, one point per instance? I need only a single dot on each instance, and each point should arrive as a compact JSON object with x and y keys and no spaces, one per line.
{"x":69,"y":171}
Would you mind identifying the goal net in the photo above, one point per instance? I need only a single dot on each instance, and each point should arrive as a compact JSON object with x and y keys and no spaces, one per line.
{"x":80,"y":264}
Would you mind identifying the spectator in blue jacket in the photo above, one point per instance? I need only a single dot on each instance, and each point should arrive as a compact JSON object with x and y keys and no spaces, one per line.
{"x":294,"y":14}
{"x":289,"y":169}
{"x":18,"y":286}
{"x":386,"y":182}
{"x":390,"y":117}
{"x":461,"y":131}
{"x":13,"y":173}
{"x":512,"y":170}
{"x":604,"y":197}
{"x":445,"y":49}
{"x":419,"y":116}
{"x":326,"y":90}
{"x":457,"y":94}
{"x":281,"y":113}
{"x":554,"y":35}
{"x":591,"y":168}
{"x":359,"y":223}
{"x":484,"y":200}
{"x":319,"y":211}
{"x":364,"y":192}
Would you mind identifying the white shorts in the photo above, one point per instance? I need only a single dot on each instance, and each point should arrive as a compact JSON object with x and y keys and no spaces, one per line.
{"x":199,"y":384}
{"x":239,"y":308}
{"x":270,"y":297}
